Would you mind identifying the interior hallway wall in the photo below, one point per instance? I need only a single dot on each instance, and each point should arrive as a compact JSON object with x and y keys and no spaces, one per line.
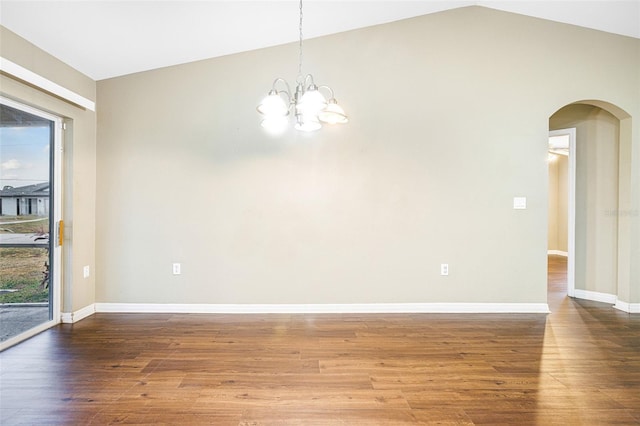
{"x":597,"y":171}
{"x":558,"y":203}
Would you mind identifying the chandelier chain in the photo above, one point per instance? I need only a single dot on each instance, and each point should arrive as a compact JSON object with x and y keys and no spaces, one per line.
{"x":300,"y":44}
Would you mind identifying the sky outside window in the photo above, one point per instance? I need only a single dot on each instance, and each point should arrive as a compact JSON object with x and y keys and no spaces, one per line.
{"x":24,"y":156}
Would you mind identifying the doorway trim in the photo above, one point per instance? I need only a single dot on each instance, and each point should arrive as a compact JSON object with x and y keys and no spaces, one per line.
{"x":571,"y":208}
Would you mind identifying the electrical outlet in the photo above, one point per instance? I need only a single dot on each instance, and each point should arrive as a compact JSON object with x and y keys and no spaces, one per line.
{"x":444,"y":269}
{"x":176,"y":269}
{"x":86,"y":271}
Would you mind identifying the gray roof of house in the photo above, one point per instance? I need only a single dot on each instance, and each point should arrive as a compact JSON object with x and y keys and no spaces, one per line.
{"x":37,"y":190}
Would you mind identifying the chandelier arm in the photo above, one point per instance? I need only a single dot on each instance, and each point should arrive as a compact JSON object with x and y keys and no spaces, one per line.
{"x":308,"y":77}
{"x":288,"y":97}
{"x":329,"y":89}
{"x":281,"y":80}
{"x":287,"y":92}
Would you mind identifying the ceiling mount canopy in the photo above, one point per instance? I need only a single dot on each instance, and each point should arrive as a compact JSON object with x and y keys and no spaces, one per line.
{"x":307,"y":104}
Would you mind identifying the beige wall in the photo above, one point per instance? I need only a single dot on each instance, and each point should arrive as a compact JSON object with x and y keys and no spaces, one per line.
{"x":79,"y":159}
{"x":552,"y":226}
{"x":597,"y":171}
{"x":449,"y":121}
{"x":563,"y":204}
{"x":557,"y":232}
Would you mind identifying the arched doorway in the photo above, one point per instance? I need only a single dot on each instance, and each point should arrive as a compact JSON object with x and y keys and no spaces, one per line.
{"x":603,"y":170}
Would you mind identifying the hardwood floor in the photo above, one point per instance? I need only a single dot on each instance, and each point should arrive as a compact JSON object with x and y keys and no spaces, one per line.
{"x":579,"y":365}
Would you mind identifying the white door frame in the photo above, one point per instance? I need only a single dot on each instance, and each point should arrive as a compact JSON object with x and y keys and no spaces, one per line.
{"x":571,"y":204}
{"x":55,"y":203}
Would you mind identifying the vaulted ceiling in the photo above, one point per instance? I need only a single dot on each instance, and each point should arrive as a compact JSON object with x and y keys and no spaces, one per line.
{"x":109,"y":38}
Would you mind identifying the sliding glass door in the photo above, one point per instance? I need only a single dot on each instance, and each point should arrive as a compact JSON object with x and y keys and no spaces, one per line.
{"x":30,"y":211}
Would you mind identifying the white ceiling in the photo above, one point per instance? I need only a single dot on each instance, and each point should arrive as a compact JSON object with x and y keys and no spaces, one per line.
{"x":109,"y":38}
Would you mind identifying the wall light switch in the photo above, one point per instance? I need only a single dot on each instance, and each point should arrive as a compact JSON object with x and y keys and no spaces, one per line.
{"x":519,"y":203}
{"x":444,"y":269}
{"x":86,"y":271}
{"x":176,"y":269}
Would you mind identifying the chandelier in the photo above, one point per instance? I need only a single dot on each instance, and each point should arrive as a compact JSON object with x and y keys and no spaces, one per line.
{"x":308,"y":106}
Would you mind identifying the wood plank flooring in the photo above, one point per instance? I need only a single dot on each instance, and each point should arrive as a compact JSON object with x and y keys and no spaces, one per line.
{"x":579,"y":365}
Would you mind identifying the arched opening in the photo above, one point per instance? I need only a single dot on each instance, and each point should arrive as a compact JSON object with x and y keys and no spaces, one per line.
{"x":602,"y":190}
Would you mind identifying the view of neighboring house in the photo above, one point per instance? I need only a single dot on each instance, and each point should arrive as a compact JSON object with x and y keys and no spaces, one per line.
{"x":25,"y":200}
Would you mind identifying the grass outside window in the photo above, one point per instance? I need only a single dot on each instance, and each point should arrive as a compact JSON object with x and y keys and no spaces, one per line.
{"x":22,"y":269}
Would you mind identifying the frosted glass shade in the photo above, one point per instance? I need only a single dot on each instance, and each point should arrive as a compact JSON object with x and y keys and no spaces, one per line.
{"x":275,"y":124}
{"x":333,"y":114}
{"x":273,"y":105}
{"x":312,"y":102}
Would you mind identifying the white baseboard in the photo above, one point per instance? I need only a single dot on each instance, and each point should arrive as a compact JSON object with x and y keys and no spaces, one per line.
{"x":361,"y":308}
{"x":558,"y":253}
{"x":595,"y":296}
{"x":71,"y":317}
{"x":632,"y":308}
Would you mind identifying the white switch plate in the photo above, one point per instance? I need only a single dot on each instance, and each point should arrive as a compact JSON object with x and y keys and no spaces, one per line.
{"x":176,"y":269}
{"x":444,"y":269}
{"x":519,"y":203}
{"x":86,"y":271}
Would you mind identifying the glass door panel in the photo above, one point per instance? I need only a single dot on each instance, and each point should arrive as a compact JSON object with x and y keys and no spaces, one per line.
{"x":29,"y":257}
